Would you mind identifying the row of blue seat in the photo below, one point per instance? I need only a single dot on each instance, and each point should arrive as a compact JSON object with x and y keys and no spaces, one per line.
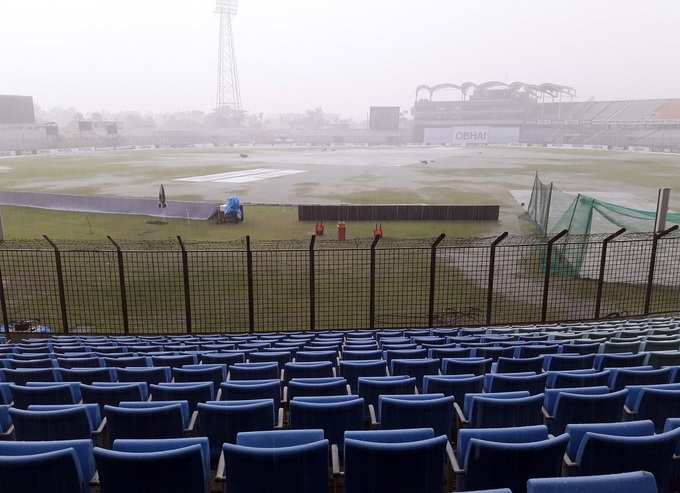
{"x":413,"y":460}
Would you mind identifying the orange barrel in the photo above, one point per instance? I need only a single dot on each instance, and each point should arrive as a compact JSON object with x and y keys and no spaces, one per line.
{"x":341,"y":231}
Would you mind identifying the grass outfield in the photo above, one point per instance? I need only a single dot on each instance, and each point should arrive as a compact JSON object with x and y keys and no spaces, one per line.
{"x":262,"y":223}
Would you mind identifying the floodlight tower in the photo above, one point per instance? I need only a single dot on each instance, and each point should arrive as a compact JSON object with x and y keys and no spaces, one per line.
{"x":228,"y":92}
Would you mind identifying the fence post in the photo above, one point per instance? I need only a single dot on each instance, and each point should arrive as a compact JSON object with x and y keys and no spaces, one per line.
{"x":312,"y":288}
{"x":249,"y":270}
{"x":60,"y":283}
{"x":492,"y":271}
{"x":3,"y":305}
{"x":548,"y":268}
{"x":371,"y":301}
{"x":652,"y":265}
{"x":121,"y":280}
{"x":433,"y":278}
{"x":603,"y":263}
{"x":187,"y":292}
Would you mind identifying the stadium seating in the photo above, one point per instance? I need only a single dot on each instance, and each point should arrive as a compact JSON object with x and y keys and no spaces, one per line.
{"x":608,"y":394}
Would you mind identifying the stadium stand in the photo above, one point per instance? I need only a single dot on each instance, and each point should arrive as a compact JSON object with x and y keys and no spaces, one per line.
{"x":460,"y":409}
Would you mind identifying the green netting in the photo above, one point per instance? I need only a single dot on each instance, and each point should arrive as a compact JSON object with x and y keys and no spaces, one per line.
{"x":539,"y":204}
{"x":580,"y":216}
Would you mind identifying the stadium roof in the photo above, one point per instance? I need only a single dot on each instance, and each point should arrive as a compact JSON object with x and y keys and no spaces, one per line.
{"x":547,"y":89}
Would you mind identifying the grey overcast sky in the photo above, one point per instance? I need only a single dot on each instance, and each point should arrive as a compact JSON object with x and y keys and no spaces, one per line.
{"x":343,"y":55}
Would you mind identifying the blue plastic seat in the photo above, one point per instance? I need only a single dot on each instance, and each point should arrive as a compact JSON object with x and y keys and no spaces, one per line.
{"x":149,"y":422}
{"x":313,"y":355}
{"x":83,"y":455}
{"x":240,"y":390}
{"x":550,"y":395}
{"x":280,"y":357}
{"x":160,"y":445}
{"x":352,"y":370}
{"x":518,"y":365}
{"x":416,"y":411}
{"x":333,"y":414}
{"x":184,"y":408}
{"x":491,"y":463}
{"x":88,"y":375}
{"x":497,"y":410}
{"x":112,"y":395}
{"x":179,"y":470}
{"x":23,"y":375}
{"x":289,"y":461}
{"x":316,"y":387}
{"x":508,"y":382}
{"x":361,"y":355}
{"x":494,"y":352}
{"x":577,"y":432}
{"x":457,"y":386}
{"x":390,"y":354}
{"x":93,"y":412}
{"x":24,"y":396}
{"x":656,"y":405}
{"x":630,"y":482}
{"x":127,"y":362}
{"x":382,"y":467}
{"x":79,"y":362}
{"x":222,"y":358}
{"x":155,"y":375}
{"x":416,"y":368}
{"x":315,"y":369}
{"x":254,"y":371}
{"x":201,"y":373}
{"x":370,"y":388}
{"x":623,"y":360}
{"x":449,"y":352}
{"x":193,"y":392}
{"x":46,"y":362}
{"x":466,"y":366}
{"x":576,"y":378}
{"x":606,"y":454}
{"x":40,"y":424}
{"x":56,"y":471}
{"x":582,"y":348}
{"x":623,"y":377}
{"x":586,"y":408}
{"x":222,"y":421}
{"x":634,"y":392}
{"x":174,"y":361}
{"x":562,"y":362}
{"x":536,"y":350}
{"x":524,"y":434}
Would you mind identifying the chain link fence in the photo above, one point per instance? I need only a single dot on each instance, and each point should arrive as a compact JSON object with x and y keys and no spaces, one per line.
{"x":177,"y":287}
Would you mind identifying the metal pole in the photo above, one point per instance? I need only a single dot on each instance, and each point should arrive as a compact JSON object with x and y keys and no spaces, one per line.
{"x":60,"y":284}
{"x":312,"y":288}
{"x":548,"y":268}
{"x":187,"y":292}
{"x":603,"y":263}
{"x":3,"y":305}
{"x":652,"y":266}
{"x":2,"y":229}
{"x":547,"y":208}
{"x":492,"y":269}
{"x":661,"y":209}
{"x":433,"y":276}
{"x":123,"y":294}
{"x":371,"y":301}
{"x":249,"y":270}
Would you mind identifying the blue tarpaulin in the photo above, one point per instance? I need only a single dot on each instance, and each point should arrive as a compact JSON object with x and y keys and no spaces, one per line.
{"x":233,"y":207}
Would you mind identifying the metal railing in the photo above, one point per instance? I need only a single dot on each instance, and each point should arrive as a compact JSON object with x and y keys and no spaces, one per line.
{"x":113,"y":286}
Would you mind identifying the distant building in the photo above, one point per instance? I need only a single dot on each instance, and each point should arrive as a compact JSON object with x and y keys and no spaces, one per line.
{"x":16,"y":110}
